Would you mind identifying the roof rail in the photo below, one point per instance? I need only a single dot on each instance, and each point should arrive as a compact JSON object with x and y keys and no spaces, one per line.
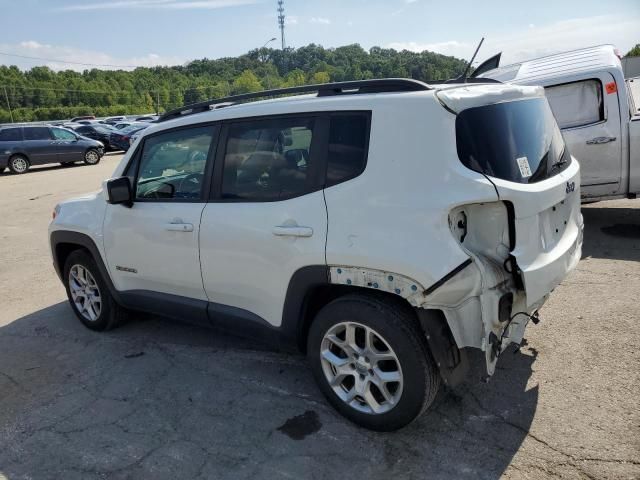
{"x":382,"y":85}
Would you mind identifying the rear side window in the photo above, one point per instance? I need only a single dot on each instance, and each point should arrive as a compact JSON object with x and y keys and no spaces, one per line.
{"x":10,"y":135}
{"x":83,"y":130}
{"x":576,"y":104}
{"x":268,"y":159}
{"x":348,"y":144}
{"x":37,"y":133}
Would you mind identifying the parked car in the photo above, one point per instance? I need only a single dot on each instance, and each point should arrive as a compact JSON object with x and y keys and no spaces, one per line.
{"x":396,"y":232}
{"x":84,"y":117}
{"x":114,"y":120}
{"x":596,"y":111}
{"x":147,"y":118}
{"x":121,"y":139}
{"x":24,"y":146}
{"x":121,"y":125}
{"x":98,"y":132}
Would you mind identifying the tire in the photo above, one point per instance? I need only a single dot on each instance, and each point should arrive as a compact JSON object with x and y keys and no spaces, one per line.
{"x":92,"y":157}
{"x":100,"y":316}
{"x":397,"y":334}
{"x":19,"y":164}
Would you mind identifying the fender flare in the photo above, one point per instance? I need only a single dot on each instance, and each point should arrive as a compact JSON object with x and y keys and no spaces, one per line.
{"x":82,"y":240}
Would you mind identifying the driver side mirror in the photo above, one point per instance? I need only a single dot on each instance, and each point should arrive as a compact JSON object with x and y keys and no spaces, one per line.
{"x":119,"y":192}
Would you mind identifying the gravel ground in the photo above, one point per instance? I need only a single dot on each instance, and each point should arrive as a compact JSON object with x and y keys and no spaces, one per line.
{"x":156,"y":399}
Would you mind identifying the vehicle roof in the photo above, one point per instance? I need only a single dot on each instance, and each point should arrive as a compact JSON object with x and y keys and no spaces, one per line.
{"x":559,"y":64}
{"x":304,"y":103}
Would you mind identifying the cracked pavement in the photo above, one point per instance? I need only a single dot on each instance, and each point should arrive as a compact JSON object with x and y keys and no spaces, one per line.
{"x":157,"y":399}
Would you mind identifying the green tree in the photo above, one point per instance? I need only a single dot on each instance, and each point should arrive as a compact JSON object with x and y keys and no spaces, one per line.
{"x":319,"y":77}
{"x":43,"y":94}
{"x":246,"y":82}
{"x":634,"y":52}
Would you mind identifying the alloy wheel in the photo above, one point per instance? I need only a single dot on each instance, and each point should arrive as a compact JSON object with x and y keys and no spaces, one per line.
{"x":92,"y":157}
{"x":361,"y":368}
{"x":19,"y":165}
{"x":85,"y":292}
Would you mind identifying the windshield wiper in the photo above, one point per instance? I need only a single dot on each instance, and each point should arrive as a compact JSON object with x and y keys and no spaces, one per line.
{"x":560,"y":162}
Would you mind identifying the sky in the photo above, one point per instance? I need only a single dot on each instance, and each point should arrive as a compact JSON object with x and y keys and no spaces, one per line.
{"x":128,"y":33}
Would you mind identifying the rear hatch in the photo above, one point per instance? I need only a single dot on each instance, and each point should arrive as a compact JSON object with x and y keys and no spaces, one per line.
{"x":508,"y":133}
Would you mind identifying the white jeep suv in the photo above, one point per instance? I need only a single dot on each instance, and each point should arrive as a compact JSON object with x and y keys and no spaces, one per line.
{"x":400,"y":234}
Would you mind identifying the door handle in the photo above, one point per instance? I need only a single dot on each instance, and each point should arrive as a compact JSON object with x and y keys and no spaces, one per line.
{"x":179,"y":227}
{"x":600,"y":140}
{"x":292,"y":231}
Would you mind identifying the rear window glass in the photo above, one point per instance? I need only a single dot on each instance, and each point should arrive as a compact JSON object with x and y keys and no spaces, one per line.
{"x":517,"y":141}
{"x":576,"y":104}
{"x":10,"y":134}
{"x":37,"y":133}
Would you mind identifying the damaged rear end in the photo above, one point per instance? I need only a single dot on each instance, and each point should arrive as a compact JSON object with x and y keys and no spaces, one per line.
{"x":525,"y":243}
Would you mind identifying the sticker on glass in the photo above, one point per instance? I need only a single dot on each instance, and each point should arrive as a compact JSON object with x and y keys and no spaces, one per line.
{"x":525,"y":169}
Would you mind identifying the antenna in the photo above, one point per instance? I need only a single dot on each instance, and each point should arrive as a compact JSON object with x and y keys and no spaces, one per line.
{"x":281,"y":21}
{"x":464,"y":75}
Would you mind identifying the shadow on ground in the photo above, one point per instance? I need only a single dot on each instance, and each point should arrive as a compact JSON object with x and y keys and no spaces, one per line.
{"x":612,"y":233}
{"x":156,"y":399}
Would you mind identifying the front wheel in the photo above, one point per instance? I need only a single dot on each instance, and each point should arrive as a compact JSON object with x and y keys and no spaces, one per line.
{"x":89,"y":294}
{"x":371,"y":361}
{"x":91,"y":157}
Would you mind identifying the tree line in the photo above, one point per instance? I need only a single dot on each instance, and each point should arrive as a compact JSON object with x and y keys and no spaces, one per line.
{"x":43,"y":94}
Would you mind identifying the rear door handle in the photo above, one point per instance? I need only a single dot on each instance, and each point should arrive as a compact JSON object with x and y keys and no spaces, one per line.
{"x":292,"y":231}
{"x":600,"y":140}
{"x":179,"y":227}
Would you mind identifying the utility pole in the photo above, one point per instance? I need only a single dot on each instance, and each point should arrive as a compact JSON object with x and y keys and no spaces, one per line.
{"x":281,"y":21}
{"x":8,"y":104}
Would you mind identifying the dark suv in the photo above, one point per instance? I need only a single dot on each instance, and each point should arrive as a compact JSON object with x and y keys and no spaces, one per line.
{"x":23,"y":146}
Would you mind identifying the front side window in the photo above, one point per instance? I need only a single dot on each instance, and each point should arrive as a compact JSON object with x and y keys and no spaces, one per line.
{"x":37,"y":133}
{"x":60,"y":134}
{"x":172,"y":165}
{"x":10,"y":134}
{"x":576,"y":104}
{"x":268,"y":160}
{"x":517,"y":141}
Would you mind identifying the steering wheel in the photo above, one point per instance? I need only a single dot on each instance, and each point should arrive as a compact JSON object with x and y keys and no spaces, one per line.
{"x":190,"y":186}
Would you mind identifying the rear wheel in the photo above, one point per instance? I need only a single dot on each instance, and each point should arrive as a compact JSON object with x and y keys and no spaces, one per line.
{"x":91,"y":157}
{"x":371,"y":361}
{"x":89,"y":294}
{"x":18,"y":164}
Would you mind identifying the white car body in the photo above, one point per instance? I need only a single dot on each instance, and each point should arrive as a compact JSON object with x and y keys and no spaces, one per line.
{"x":606,"y":145}
{"x":395,"y":228}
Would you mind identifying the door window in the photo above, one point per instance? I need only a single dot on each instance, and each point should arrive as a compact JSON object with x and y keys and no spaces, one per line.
{"x":37,"y":133}
{"x":268,"y":160}
{"x":60,"y":134}
{"x":172,"y":165}
{"x":576,"y":104}
{"x":348,"y":140}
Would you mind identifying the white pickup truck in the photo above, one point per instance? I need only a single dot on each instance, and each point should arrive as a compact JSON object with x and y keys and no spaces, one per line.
{"x":596,"y":109}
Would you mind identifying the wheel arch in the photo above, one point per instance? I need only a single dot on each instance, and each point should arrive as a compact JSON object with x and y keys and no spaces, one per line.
{"x":310,"y":289}
{"x":64,"y":242}
{"x":19,"y":153}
